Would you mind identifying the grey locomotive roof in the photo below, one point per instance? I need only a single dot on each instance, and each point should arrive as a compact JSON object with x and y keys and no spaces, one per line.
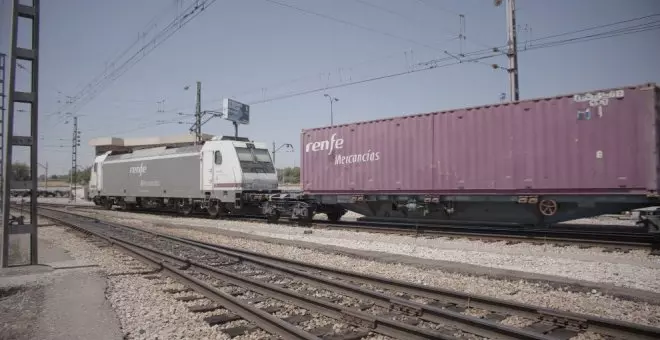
{"x":153,"y":152}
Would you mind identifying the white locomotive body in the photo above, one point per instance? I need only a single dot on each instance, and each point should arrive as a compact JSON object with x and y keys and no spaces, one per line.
{"x":223,"y":176}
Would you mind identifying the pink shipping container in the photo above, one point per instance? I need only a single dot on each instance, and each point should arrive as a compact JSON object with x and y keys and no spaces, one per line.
{"x":600,"y":142}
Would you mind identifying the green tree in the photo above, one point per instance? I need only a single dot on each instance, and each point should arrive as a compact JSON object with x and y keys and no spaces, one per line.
{"x":289,"y":175}
{"x":21,"y":171}
{"x":82,"y":176}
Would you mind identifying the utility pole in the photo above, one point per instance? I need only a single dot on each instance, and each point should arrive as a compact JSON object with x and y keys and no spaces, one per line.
{"x":198,"y":114}
{"x":196,"y":128}
{"x":3,"y":77}
{"x":512,"y":51}
{"x":27,"y":54}
{"x":75,"y":143}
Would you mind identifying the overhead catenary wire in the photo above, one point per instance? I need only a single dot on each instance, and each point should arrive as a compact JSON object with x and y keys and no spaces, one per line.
{"x":472,"y":57}
{"x":141,"y":35}
{"x":453,"y":35}
{"x":475,"y":57}
{"x":522,"y":46}
{"x":349,"y":23}
{"x":94,"y":88}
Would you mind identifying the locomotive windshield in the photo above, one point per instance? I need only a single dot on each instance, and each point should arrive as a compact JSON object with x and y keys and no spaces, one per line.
{"x":255,"y":160}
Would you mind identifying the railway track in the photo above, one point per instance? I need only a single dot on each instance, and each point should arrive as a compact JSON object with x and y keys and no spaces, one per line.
{"x":609,"y":237}
{"x":296,"y":300}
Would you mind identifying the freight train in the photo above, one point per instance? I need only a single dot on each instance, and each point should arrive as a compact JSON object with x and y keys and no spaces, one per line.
{"x":532,"y":162}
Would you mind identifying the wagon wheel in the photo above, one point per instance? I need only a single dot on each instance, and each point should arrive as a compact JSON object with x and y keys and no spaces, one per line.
{"x":548,"y":207}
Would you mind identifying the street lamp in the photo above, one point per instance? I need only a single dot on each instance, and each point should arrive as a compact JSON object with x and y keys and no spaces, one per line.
{"x":285,"y":145}
{"x":289,"y":148}
{"x":332,"y":99}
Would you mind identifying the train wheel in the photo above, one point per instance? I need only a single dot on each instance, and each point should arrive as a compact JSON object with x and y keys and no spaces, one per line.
{"x":185,"y":209}
{"x":107,"y":204}
{"x":273,"y":217}
{"x":214,"y":210}
{"x":334,"y":216}
{"x":548,"y":207}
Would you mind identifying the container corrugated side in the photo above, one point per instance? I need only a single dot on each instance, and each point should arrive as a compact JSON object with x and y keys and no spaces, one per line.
{"x":389,"y":155}
{"x":568,"y":144}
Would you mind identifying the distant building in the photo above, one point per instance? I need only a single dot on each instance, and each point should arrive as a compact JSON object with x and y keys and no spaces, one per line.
{"x":104,"y":144}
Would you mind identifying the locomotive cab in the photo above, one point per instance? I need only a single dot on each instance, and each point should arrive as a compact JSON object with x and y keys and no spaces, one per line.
{"x":236,"y":166}
{"x":96,"y":177}
{"x":235,"y":173}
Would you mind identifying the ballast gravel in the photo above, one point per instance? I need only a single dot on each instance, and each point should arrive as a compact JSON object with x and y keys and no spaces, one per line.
{"x":143,"y":309}
{"x":543,"y":295}
{"x":633,"y":270}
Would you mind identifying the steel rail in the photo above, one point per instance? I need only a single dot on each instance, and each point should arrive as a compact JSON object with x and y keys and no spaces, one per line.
{"x":569,"y":235}
{"x":596,"y":324}
{"x":298,"y":268}
{"x":262,"y":319}
{"x":352,"y":316}
{"x":355,"y":317}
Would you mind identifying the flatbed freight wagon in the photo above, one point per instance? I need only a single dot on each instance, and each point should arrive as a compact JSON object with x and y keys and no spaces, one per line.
{"x":535,"y":162}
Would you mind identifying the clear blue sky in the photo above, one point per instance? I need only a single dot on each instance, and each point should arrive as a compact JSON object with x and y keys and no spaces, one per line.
{"x":254,"y":49}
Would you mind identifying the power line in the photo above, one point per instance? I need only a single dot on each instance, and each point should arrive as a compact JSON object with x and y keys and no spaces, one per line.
{"x":437,"y":7}
{"x":141,"y":35}
{"x":90,"y":91}
{"x":597,"y":27}
{"x":472,"y":57}
{"x":476,"y":58}
{"x":453,"y":35}
{"x":345,"y":22}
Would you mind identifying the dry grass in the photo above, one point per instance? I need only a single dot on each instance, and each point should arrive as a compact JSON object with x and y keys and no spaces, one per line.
{"x":54,"y":183}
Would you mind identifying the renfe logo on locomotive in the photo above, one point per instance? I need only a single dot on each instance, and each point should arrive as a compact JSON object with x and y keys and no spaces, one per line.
{"x":140,"y":169}
{"x":334,"y":144}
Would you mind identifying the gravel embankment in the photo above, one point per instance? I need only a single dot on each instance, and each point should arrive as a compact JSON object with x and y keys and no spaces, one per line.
{"x":144,"y":310}
{"x":533,"y":293}
{"x":633,"y":270}
{"x":606,"y":219}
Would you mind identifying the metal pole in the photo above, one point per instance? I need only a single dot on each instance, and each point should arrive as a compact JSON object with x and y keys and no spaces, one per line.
{"x":512,"y":52}
{"x":331,"y":114}
{"x":74,"y":158}
{"x":274,"y":153}
{"x":29,"y":55}
{"x":235,"y":129}
{"x":3,"y":62}
{"x":198,"y":114}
